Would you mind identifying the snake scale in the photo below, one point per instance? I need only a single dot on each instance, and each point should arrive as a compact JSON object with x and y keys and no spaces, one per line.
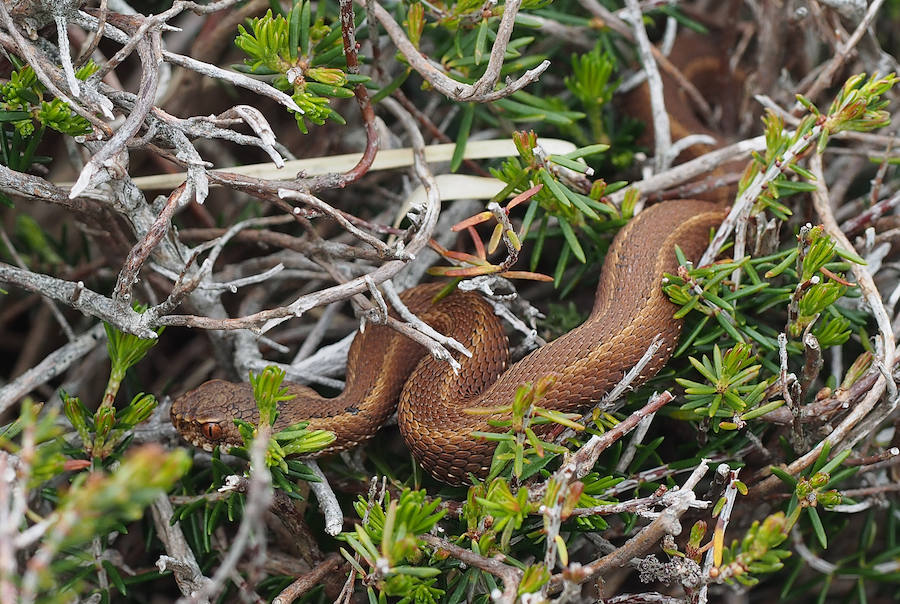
{"x":384,"y":367}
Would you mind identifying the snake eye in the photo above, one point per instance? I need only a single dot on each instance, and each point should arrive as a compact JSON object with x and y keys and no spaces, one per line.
{"x":212,"y":431}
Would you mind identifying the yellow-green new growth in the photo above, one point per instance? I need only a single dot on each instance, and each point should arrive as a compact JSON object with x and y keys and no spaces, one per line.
{"x":295,"y":439}
{"x":305,"y":58}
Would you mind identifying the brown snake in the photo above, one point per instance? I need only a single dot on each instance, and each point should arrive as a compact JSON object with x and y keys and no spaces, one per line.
{"x":630,"y":309}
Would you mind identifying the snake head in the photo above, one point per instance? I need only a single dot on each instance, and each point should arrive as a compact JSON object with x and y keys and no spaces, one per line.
{"x":205,"y":416}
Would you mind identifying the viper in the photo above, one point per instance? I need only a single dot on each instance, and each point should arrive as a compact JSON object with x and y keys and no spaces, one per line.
{"x":387,"y":371}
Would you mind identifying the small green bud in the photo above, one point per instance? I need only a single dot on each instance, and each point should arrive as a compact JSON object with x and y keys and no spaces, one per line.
{"x":318,"y":30}
{"x":534,"y":577}
{"x":819,"y":480}
{"x":803,"y":489}
{"x":77,"y":415}
{"x":523,"y":399}
{"x":573,"y":495}
{"x":327,"y":75}
{"x":543,"y":385}
{"x":830,"y":498}
{"x":525,"y":143}
{"x":104,"y":420}
{"x":314,"y":440}
{"x":268,"y":393}
{"x":698,"y":531}
{"x":773,"y":529}
{"x":139,"y":410}
{"x":415,"y":22}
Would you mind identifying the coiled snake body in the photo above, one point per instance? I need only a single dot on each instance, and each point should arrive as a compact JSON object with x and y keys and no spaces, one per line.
{"x":630,"y":309}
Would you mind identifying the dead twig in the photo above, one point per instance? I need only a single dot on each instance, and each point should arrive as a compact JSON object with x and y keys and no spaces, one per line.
{"x":311,"y":579}
{"x":510,"y":575}
{"x":481,"y":91}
